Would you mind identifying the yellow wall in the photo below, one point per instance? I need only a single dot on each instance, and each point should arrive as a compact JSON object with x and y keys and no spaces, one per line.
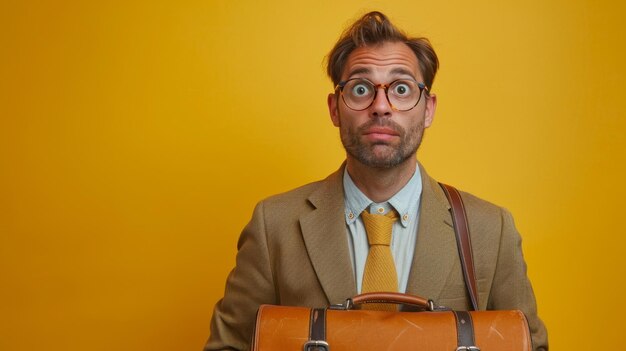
{"x":136,"y":137}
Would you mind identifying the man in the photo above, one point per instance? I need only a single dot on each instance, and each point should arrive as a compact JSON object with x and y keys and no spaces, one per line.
{"x":309,"y":246}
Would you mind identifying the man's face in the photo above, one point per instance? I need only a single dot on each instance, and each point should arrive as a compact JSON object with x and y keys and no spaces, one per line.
{"x":378,"y":136}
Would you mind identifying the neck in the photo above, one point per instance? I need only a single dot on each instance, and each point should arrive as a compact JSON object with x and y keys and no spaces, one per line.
{"x":380,"y":184}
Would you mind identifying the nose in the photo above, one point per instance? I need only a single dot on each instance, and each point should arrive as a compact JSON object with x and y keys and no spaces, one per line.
{"x":380,"y":107}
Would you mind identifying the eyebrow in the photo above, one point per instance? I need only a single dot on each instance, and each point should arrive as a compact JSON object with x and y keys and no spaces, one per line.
{"x":400,"y":70}
{"x":397,"y":70}
{"x":360,"y":70}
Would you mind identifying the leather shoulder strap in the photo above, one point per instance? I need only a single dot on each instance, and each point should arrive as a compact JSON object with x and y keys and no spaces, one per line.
{"x":461,"y":229}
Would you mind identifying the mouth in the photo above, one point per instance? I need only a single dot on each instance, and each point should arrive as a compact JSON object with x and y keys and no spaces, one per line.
{"x":380,"y":133}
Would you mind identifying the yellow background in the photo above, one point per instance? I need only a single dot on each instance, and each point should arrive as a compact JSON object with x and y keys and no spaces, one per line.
{"x":136,"y":137}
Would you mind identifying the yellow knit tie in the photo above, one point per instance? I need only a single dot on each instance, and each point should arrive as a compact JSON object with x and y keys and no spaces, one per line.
{"x":380,"y":271}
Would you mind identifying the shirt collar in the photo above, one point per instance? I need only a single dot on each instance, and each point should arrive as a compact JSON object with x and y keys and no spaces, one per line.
{"x":405,"y":202}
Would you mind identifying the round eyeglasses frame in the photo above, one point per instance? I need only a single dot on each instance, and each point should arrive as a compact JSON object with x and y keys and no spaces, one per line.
{"x":422,"y":87}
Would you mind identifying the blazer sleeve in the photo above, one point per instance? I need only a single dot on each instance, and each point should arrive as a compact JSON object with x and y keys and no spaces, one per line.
{"x":511,"y":288}
{"x":248,"y":285}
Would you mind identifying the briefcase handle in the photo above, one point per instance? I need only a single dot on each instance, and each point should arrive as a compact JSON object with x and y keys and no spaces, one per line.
{"x":387,"y":297}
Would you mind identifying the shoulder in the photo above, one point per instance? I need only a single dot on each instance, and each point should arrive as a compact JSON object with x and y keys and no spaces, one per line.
{"x":294,"y":199}
{"x":483,"y":216}
{"x":486,"y":216}
{"x":489,"y":223}
{"x":321,"y":193}
{"x":292,"y":196}
{"x":478,"y":207}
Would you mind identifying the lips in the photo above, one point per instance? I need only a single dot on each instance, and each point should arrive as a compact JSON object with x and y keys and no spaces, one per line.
{"x":380,"y":130}
{"x":380,"y":133}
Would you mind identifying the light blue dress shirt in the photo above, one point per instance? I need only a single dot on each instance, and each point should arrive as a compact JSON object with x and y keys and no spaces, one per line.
{"x":404,"y":233}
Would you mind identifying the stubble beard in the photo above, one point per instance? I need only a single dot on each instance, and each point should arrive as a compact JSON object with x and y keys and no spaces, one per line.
{"x":382,"y":155}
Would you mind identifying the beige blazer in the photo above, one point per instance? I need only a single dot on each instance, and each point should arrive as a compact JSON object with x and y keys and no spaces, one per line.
{"x":295,"y":252}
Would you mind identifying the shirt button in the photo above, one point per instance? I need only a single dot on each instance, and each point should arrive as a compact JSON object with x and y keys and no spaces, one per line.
{"x":405,"y":217}
{"x":351,"y":215}
{"x":381,"y":210}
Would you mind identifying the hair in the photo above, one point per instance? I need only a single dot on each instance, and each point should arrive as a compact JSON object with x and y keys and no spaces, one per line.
{"x":375,"y":28}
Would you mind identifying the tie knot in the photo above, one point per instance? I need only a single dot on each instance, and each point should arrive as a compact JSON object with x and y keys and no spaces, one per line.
{"x":378,"y":227}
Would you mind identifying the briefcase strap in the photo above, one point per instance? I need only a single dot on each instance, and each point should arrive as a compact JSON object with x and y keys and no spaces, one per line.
{"x":464,"y":244}
{"x":317,"y":331}
{"x":465,"y":331}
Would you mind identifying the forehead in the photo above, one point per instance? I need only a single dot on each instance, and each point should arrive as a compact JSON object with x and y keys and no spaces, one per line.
{"x":382,"y":61}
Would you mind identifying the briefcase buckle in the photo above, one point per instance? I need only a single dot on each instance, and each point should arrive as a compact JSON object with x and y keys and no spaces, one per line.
{"x":318,"y":345}
{"x":468,"y":348}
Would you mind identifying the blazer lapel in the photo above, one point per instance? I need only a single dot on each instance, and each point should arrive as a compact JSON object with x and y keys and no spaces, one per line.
{"x":325,"y":238}
{"x":435,"y":251}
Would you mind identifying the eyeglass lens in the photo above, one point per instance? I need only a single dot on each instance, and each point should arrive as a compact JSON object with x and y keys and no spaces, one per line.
{"x":403,"y":94}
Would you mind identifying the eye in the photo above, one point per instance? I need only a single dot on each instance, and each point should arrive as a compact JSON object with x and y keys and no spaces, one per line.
{"x":402,"y":89}
{"x":361,"y":89}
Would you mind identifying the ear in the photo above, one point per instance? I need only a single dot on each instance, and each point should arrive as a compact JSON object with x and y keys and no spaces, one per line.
{"x":333,"y":108}
{"x":429,"y":113}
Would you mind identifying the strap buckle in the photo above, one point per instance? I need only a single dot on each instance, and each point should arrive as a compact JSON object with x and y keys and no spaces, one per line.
{"x":468,"y":348}
{"x":317,"y":345}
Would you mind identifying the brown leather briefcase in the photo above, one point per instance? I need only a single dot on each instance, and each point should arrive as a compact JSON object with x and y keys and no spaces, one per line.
{"x":346,"y":327}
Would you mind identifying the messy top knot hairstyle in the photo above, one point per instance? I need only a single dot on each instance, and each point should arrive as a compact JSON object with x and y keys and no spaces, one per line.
{"x":375,"y":28}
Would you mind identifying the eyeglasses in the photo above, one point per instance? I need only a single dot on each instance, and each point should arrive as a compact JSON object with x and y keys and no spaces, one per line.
{"x":402,"y":94}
